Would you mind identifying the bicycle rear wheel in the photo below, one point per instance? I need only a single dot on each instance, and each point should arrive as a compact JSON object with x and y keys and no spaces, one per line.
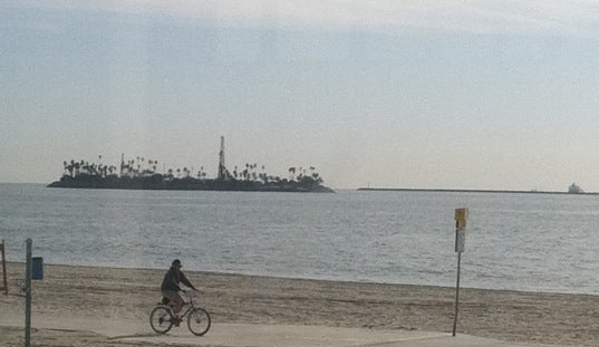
{"x":161,"y":319}
{"x":198,"y":321}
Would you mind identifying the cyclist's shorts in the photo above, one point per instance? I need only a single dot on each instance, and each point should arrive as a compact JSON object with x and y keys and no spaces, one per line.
{"x":170,"y":294}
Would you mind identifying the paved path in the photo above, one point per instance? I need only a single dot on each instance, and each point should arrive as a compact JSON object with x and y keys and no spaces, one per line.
{"x":244,"y":335}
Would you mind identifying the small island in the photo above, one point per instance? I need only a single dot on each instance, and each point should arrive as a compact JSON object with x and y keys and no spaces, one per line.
{"x":140,"y":173}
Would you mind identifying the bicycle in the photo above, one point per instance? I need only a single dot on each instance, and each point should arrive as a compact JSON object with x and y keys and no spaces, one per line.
{"x":163,"y":318}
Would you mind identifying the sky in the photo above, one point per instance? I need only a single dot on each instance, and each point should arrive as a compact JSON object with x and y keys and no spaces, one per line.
{"x":492,"y":94}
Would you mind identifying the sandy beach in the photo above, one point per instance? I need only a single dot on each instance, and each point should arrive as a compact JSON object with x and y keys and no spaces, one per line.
{"x":95,"y":293}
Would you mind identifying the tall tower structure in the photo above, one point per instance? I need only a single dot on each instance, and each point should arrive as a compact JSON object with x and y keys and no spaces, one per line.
{"x":122,"y":164}
{"x":221,"y":160}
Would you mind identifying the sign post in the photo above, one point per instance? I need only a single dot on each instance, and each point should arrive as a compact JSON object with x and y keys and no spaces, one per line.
{"x":4,"y":275}
{"x":461,"y":215}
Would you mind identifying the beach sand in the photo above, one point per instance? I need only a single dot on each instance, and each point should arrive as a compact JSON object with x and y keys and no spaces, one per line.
{"x":104,"y":293}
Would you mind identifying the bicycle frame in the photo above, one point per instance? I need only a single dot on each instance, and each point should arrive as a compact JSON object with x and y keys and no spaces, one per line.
{"x":189,"y":304}
{"x":190,"y":307}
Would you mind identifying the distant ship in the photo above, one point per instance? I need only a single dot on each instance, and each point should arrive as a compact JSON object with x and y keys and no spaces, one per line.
{"x":141,"y":174}
{"x":574,"y":189}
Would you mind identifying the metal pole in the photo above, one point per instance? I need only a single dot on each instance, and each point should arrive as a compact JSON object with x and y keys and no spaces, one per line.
{"x":457,"y":294}
{"x":28,"y":296}
{"x":4,"y":274}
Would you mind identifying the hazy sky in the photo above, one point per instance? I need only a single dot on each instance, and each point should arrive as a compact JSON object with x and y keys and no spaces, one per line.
{"x":392,"y":93}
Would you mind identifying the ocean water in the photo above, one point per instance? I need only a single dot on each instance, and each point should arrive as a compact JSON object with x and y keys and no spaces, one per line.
{"x":513,"y":241}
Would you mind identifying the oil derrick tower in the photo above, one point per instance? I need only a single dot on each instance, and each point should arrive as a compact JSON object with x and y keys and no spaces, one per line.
{"x":122,"y":165}
{"x":222,"y":171}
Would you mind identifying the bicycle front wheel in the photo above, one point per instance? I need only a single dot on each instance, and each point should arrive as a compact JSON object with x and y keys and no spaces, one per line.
{"x":161,"y":319}
{"x":198,"y":321}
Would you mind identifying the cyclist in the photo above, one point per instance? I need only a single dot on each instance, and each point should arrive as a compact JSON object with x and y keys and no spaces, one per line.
{"x":170,"y":285}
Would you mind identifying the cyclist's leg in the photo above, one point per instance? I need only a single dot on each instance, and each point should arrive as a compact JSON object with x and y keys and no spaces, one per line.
{"x":178,"y":300}
{"x":175,"y":298}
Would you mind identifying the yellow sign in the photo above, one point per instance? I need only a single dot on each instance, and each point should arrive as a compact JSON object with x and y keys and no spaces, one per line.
{"x":461,"y":214}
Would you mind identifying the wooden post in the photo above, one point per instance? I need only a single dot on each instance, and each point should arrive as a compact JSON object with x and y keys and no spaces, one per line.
{"x":28,"y":296}
{"x":4,"y":275}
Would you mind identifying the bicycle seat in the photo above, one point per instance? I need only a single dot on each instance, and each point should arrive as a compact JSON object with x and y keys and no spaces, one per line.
{"x":165,"y":301}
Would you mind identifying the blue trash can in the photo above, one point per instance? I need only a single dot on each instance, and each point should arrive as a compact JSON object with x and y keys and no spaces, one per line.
{"x":37,"y":268}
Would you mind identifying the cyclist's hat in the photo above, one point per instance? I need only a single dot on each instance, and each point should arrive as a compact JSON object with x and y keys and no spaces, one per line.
{"x":176,"y":263}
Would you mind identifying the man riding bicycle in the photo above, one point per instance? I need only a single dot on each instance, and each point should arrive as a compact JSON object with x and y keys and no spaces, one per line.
{"x":170,"y":285}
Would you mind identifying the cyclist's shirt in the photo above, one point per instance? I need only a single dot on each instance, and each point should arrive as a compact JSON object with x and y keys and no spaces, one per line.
{"x":172,"y":279}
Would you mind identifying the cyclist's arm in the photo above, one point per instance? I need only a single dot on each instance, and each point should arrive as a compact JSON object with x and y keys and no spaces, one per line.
{"x":186,"y":282}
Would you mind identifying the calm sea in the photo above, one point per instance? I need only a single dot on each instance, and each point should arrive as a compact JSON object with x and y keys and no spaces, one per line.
{"x":514,"y":241}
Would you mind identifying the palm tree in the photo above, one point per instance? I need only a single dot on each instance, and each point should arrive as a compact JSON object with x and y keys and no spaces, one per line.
{"x":93,"y":169}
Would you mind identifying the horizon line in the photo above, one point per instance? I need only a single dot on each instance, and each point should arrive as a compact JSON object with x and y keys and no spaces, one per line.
{"x":448,"y":190}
